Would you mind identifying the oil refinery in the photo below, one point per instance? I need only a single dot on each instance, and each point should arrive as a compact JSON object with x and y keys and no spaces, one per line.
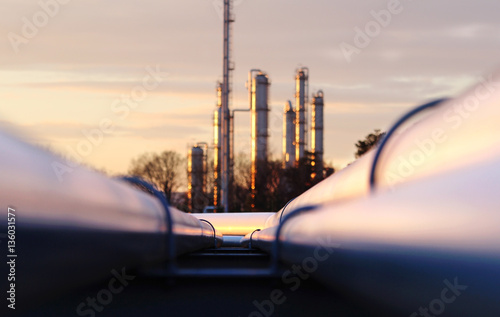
{"x":295,"y":125}
{"x":410,"y":228}
{"x":295,"y":128}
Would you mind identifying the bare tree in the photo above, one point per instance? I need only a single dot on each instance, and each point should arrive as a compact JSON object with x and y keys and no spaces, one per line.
{"x":163,"y":170}
{"x":242,"y":179}
{"x":274,"y":185}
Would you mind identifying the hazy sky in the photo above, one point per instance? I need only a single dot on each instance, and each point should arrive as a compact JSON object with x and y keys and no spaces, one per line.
{"x":62,"y":73}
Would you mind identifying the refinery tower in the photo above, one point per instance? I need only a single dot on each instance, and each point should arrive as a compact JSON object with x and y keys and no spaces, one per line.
{"x":295,"y":125}
{"x":197,"y":171}
{"x":317,"y":133}
{"x":259,"y":94}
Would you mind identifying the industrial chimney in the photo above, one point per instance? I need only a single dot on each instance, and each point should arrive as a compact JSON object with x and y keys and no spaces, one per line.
{"x":301,"y":92}
{"x":317,"y":132}
{"x":288,"y":136}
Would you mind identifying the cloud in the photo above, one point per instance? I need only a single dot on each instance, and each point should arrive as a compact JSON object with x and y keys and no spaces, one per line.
{"x":161,"y":132}
{"x":432,"y":49}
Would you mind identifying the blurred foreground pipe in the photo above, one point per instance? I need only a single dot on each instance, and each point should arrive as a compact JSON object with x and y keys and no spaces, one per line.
{"x":74,"y":226}
{"x":455,"y":134}
{"x":427,"y":240}
{"x":401,"y":250}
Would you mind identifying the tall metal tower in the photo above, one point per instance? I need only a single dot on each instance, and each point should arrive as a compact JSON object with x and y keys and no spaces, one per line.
{"x":317,"y":132}
{"x":226,"y":118}
{"x":196,"y":178}
{"x":302,"y":91}
{"x":217,"y":147}
{"x":260,"y":114}
{"x":288,"y":136}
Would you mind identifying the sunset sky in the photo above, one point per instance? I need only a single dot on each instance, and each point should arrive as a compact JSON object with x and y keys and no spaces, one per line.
{"x":64,"y":76}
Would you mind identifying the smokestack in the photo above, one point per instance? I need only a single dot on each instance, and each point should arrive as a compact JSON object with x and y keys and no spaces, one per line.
{"x":317,"y":131}
{"x":288,"y":136}
{"x":259,"y":113}
{"x":301,"y":92}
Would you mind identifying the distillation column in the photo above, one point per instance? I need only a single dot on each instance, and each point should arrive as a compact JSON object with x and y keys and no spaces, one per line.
{"x":317,"y":132}
{"x":196,"y":179}
{"x":259,"y":114}
{"x":288,"y":136}
{"x":301,"y":87}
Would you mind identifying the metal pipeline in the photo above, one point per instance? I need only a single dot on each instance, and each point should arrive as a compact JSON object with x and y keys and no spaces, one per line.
{"x":432,"y":145}
{"x":401,"y":250}
{"x":426,"y":239}
{"x":236,"y":224}
{"x":73,"y":225}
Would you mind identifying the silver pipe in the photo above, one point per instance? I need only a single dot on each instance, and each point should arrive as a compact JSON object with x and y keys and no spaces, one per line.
{"x":70,"y":219}
{"x":430,"y":227}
